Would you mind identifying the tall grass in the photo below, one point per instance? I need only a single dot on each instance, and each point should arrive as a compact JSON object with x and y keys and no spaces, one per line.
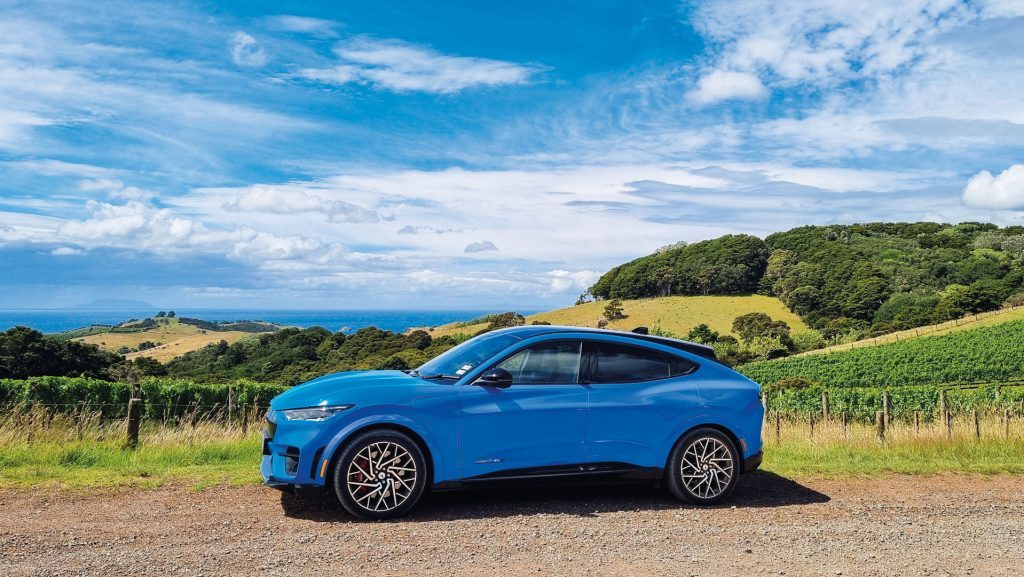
{"x":835,"y":450}
{"x":43,"y":448}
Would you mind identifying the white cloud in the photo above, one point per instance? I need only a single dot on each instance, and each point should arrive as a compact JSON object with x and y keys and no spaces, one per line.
{"x":480,"y":246}
{"x":721,"y":85}
{"x":245,"y":51}
{"x":285,"y":200}
{"x":65,"y":251}
{"x":302,"y":24}
{"x":116,"y":189}
{"x":402,"y":67}
{"x":1003,"y":192}
{"x":563,"y":281}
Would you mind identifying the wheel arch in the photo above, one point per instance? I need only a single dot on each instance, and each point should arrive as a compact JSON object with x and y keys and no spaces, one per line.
{"x":709,"y":425}
{"x":416,"y":437}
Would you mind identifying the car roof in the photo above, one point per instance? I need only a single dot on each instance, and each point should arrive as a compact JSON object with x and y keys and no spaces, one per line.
{"x":528,"y":331}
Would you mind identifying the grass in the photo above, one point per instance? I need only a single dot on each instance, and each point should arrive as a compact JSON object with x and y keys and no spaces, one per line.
{"x":52,"y":456}
{"x":966,"y":323}
{"x":676,"y":314}
{"x":857,"y":452}
{"x":176,"y":339}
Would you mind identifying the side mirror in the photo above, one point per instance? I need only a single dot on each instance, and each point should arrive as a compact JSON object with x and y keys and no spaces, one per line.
{"x":497,"y":377}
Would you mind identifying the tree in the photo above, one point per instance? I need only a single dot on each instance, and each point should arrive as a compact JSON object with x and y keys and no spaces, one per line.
{"x":613,"y":310}
{"x":161,"y":314}
{"x":752,"y":326}
{"x":170,"y":315}
{"x":702,"y":333}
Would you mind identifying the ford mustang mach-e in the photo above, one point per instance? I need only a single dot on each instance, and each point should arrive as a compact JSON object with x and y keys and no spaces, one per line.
{"x":527,"y":404}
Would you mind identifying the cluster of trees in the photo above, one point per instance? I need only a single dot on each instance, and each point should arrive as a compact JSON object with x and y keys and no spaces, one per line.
{"x":28,"y":353}
{"x":728,"y":265}
{"x":761,"y":338}
{"x":844,"y":281}
{"x":292,"y":355}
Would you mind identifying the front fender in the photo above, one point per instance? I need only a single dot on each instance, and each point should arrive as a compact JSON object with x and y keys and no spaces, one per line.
{"x":398,"y":418}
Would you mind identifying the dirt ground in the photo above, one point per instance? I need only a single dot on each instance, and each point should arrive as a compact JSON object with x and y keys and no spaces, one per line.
{"x":936,"y":525}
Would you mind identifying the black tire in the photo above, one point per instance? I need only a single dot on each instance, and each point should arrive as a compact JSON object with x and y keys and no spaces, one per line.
{"x":697,"y":467}
{"x":372,"y":496}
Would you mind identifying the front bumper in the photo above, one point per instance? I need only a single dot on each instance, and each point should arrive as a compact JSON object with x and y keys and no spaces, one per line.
{"x":292,"y":455}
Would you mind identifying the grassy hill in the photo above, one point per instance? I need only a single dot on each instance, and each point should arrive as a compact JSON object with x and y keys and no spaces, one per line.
{"x":677,"y":314}
{"x":172,"y":336}
{"x":962,"y":324}
{"x":990,"y":353}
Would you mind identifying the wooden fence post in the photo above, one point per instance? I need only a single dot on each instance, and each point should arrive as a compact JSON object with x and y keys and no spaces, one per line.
{"x":134,"y":417}
{"x":778,"y":427}
{"x":231,"y":406}
{"x":245,"y":422}
{"x":1006,"y":422}
{"x":977,"y":424}
{"x":917,"y":422}
{"x":810,"y":421}
{"x":886,"y":402}
{"x":943,"y":403}
{"x":880,"y":425}
{"x":949,"y":423}
{"x":79,"y":424}
{"x":842,"y":422}
{"x":825,"y":409}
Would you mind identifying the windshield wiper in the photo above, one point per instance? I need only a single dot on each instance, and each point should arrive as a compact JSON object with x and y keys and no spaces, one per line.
{"x":437,"y":376}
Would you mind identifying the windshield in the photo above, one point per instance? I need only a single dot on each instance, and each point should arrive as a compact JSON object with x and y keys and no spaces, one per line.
{"x":463,"y":358}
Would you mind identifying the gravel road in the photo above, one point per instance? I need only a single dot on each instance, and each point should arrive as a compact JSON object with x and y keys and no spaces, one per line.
{"x":937,"y":525}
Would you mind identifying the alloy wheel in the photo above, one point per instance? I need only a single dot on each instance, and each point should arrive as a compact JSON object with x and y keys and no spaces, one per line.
{"x":707,"y":468}
{"x":381,"y":477}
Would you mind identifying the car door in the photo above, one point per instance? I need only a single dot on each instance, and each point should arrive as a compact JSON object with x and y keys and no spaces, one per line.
{"x":638,"y":395}
{"x":534,"y":426}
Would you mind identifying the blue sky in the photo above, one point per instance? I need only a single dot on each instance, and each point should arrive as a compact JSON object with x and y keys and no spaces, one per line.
{"x":469,"y":154}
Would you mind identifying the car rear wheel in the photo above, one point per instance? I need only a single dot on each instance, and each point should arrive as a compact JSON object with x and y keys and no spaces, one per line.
{"x":703,"y":467}
{"x":380,"y":475}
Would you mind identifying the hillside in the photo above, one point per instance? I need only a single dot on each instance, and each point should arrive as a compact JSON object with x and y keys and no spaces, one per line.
{"x":676,"y":314}
{"x":961,"y":324}
{"x":984,"y":354}
{"x":172,"y":336}
{"x":847,"y":281}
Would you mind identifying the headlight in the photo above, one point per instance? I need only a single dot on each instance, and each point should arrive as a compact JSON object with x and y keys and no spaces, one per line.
{"x":313,"y":413}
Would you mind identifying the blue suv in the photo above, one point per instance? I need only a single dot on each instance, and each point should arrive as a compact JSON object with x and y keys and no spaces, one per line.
{"x":526,"y":404}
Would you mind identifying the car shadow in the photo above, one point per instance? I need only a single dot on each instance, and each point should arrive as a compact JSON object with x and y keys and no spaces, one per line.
{"x":756,"y":490}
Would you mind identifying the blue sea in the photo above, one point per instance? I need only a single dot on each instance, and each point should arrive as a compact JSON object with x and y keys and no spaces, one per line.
{"x":53,"y":321}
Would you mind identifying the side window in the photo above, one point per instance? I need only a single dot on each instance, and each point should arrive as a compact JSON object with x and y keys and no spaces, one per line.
{"x":625,"y":364}
{"x":556,"y":362}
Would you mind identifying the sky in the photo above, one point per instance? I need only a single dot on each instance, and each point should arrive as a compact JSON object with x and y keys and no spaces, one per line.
{"x":432,"y":155}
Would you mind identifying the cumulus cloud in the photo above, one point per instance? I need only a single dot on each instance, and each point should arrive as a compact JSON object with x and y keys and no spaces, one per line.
{"x":1003,"y":192}
{"x":246,"y":51}
{"x":402,"y":67}
{"x":65,"y":251}
{"x":142,"y":227}
{"x":481,"y":246}
{"x":721,"y":85}
{"x":302,"y":24}
{"x":570,"y":281}
{"x":278,"y":200}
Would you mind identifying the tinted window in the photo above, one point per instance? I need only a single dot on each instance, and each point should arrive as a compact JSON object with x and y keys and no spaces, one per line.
{"x":545,"y":363}
{"x":626,"y":364}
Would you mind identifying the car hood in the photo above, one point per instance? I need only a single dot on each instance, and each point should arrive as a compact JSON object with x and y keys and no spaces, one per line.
{"x":354,"y":387}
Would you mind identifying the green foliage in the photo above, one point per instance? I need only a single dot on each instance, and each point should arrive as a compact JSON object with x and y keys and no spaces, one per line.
{"x":753,"y":326}
{"x":291,"y":356}
{"x":855,"y":280}
{"x":986,"y":354}
{"x":702,"y":333}
{"x":27,"y":353}
{"x":808,"y":340}
{"x":732,"y":264}
{"x":613,"y":310}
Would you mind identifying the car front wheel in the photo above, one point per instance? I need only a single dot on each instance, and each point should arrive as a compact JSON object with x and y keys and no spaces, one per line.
{"x":380,"y":475}
{"x":703,"y":467}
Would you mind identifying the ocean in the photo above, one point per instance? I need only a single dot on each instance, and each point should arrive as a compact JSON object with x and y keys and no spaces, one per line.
{"x":54,"y":321}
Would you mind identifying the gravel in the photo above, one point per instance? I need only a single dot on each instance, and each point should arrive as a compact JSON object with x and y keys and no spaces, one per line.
{"x":934,"y":525}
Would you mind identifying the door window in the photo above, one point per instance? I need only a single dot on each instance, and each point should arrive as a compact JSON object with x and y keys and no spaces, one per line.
{"x":556,"y":362}
{"x":626,"y":364}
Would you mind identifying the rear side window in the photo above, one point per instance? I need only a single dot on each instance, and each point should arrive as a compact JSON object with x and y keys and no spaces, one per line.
{"x":547,"y":363}
{"x":614,"y":363}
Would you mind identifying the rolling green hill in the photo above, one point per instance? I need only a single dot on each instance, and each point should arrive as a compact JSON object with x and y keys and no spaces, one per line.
{"x":986,"y":354}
